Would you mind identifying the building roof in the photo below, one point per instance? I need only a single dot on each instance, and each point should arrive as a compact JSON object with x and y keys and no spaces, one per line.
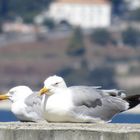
{"x":84,"y":1}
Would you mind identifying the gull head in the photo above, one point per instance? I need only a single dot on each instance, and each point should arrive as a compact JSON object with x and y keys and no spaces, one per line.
{"x":51,"y":84}
{"x":17,"y":93}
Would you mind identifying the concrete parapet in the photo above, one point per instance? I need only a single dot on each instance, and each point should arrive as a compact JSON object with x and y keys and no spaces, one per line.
{"x":68,"y":131}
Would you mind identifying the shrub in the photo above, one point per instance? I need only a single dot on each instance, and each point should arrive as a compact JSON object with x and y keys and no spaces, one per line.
{"x":101,"y":37}
{"x":49,"y":23}
{"x":131,"y":37}
{"x":76,"y":46}
{"x":103,"y":76}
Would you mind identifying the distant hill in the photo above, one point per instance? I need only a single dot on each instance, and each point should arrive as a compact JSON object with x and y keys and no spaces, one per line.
{"x":30,"y":63}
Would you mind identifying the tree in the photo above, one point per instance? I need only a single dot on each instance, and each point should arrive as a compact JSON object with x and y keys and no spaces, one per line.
{"x":131,"y":37}
{"x":135,"y":15}
{"x":1,"y":27}
{"x":101,"y":36}
{"x":26,"y":9}
{"x":49,"y":23}
{"x":117,"y":7}
{"x":75,"y":76}
{"x":103,"y":76}
{"x":4,"y":8}
{"x":76,"y":46}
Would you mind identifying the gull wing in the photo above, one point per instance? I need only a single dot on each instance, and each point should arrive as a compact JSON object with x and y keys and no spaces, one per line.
{"x":95,"y":103}
{"x":33,"y":103}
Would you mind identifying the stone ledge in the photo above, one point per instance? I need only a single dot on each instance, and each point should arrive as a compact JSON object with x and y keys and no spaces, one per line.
{"x":68,"y":131}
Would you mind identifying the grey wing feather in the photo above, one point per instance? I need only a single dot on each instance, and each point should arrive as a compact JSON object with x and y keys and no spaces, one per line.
{"x":109,"y":107}
{"x":115,"y":92}
{"x":89,"y":87}
{"x":96,"y":102}
{"x":86,"y":95}
{"x":33,"y":99}
{"x":98,"y":90}
{"x":33,"y":103}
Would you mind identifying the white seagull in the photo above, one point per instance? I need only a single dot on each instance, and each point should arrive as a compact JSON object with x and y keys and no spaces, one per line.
{"x":81,"y":103}
{"x":26,"y":105}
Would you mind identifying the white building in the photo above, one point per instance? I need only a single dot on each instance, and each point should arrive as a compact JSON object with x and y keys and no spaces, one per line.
{"x":83,"y":13}
{"x":133,"y":4}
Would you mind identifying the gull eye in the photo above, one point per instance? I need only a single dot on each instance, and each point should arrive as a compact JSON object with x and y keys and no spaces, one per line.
{"x":56,"y":84}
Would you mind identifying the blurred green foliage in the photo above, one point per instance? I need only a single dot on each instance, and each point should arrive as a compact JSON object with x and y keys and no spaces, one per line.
{"x":134,"y":15}
{"x":118,"y":7}
{"x":0,"y":28}
{"x":100,"y":76}
{"x":103,"y":76}
{"x":75,"y":76}
{"x":131,"y":37}
{"x":26,"y":9}
{"x":101,"y":36}
{"x":48,"y":22}
{"x":76,"y":45}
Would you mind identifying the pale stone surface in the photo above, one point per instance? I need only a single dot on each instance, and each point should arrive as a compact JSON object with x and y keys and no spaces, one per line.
{"x":68,"y":131}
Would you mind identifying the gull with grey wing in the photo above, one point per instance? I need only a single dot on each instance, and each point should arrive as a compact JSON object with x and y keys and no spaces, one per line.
{"x":81,"y":103}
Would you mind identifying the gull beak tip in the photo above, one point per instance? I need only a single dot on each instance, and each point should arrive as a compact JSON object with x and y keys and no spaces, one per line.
{"x":4,"y":97}
{"x":43,"y":91}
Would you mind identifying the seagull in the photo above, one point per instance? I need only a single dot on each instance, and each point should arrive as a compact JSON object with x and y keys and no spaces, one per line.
{"x":26,"y":105}
{"x":81,"y":103}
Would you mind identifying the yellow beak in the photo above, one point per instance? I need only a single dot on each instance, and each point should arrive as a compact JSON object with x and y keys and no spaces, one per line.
{"x":4,"y":97}
{"x":44,"y":90}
